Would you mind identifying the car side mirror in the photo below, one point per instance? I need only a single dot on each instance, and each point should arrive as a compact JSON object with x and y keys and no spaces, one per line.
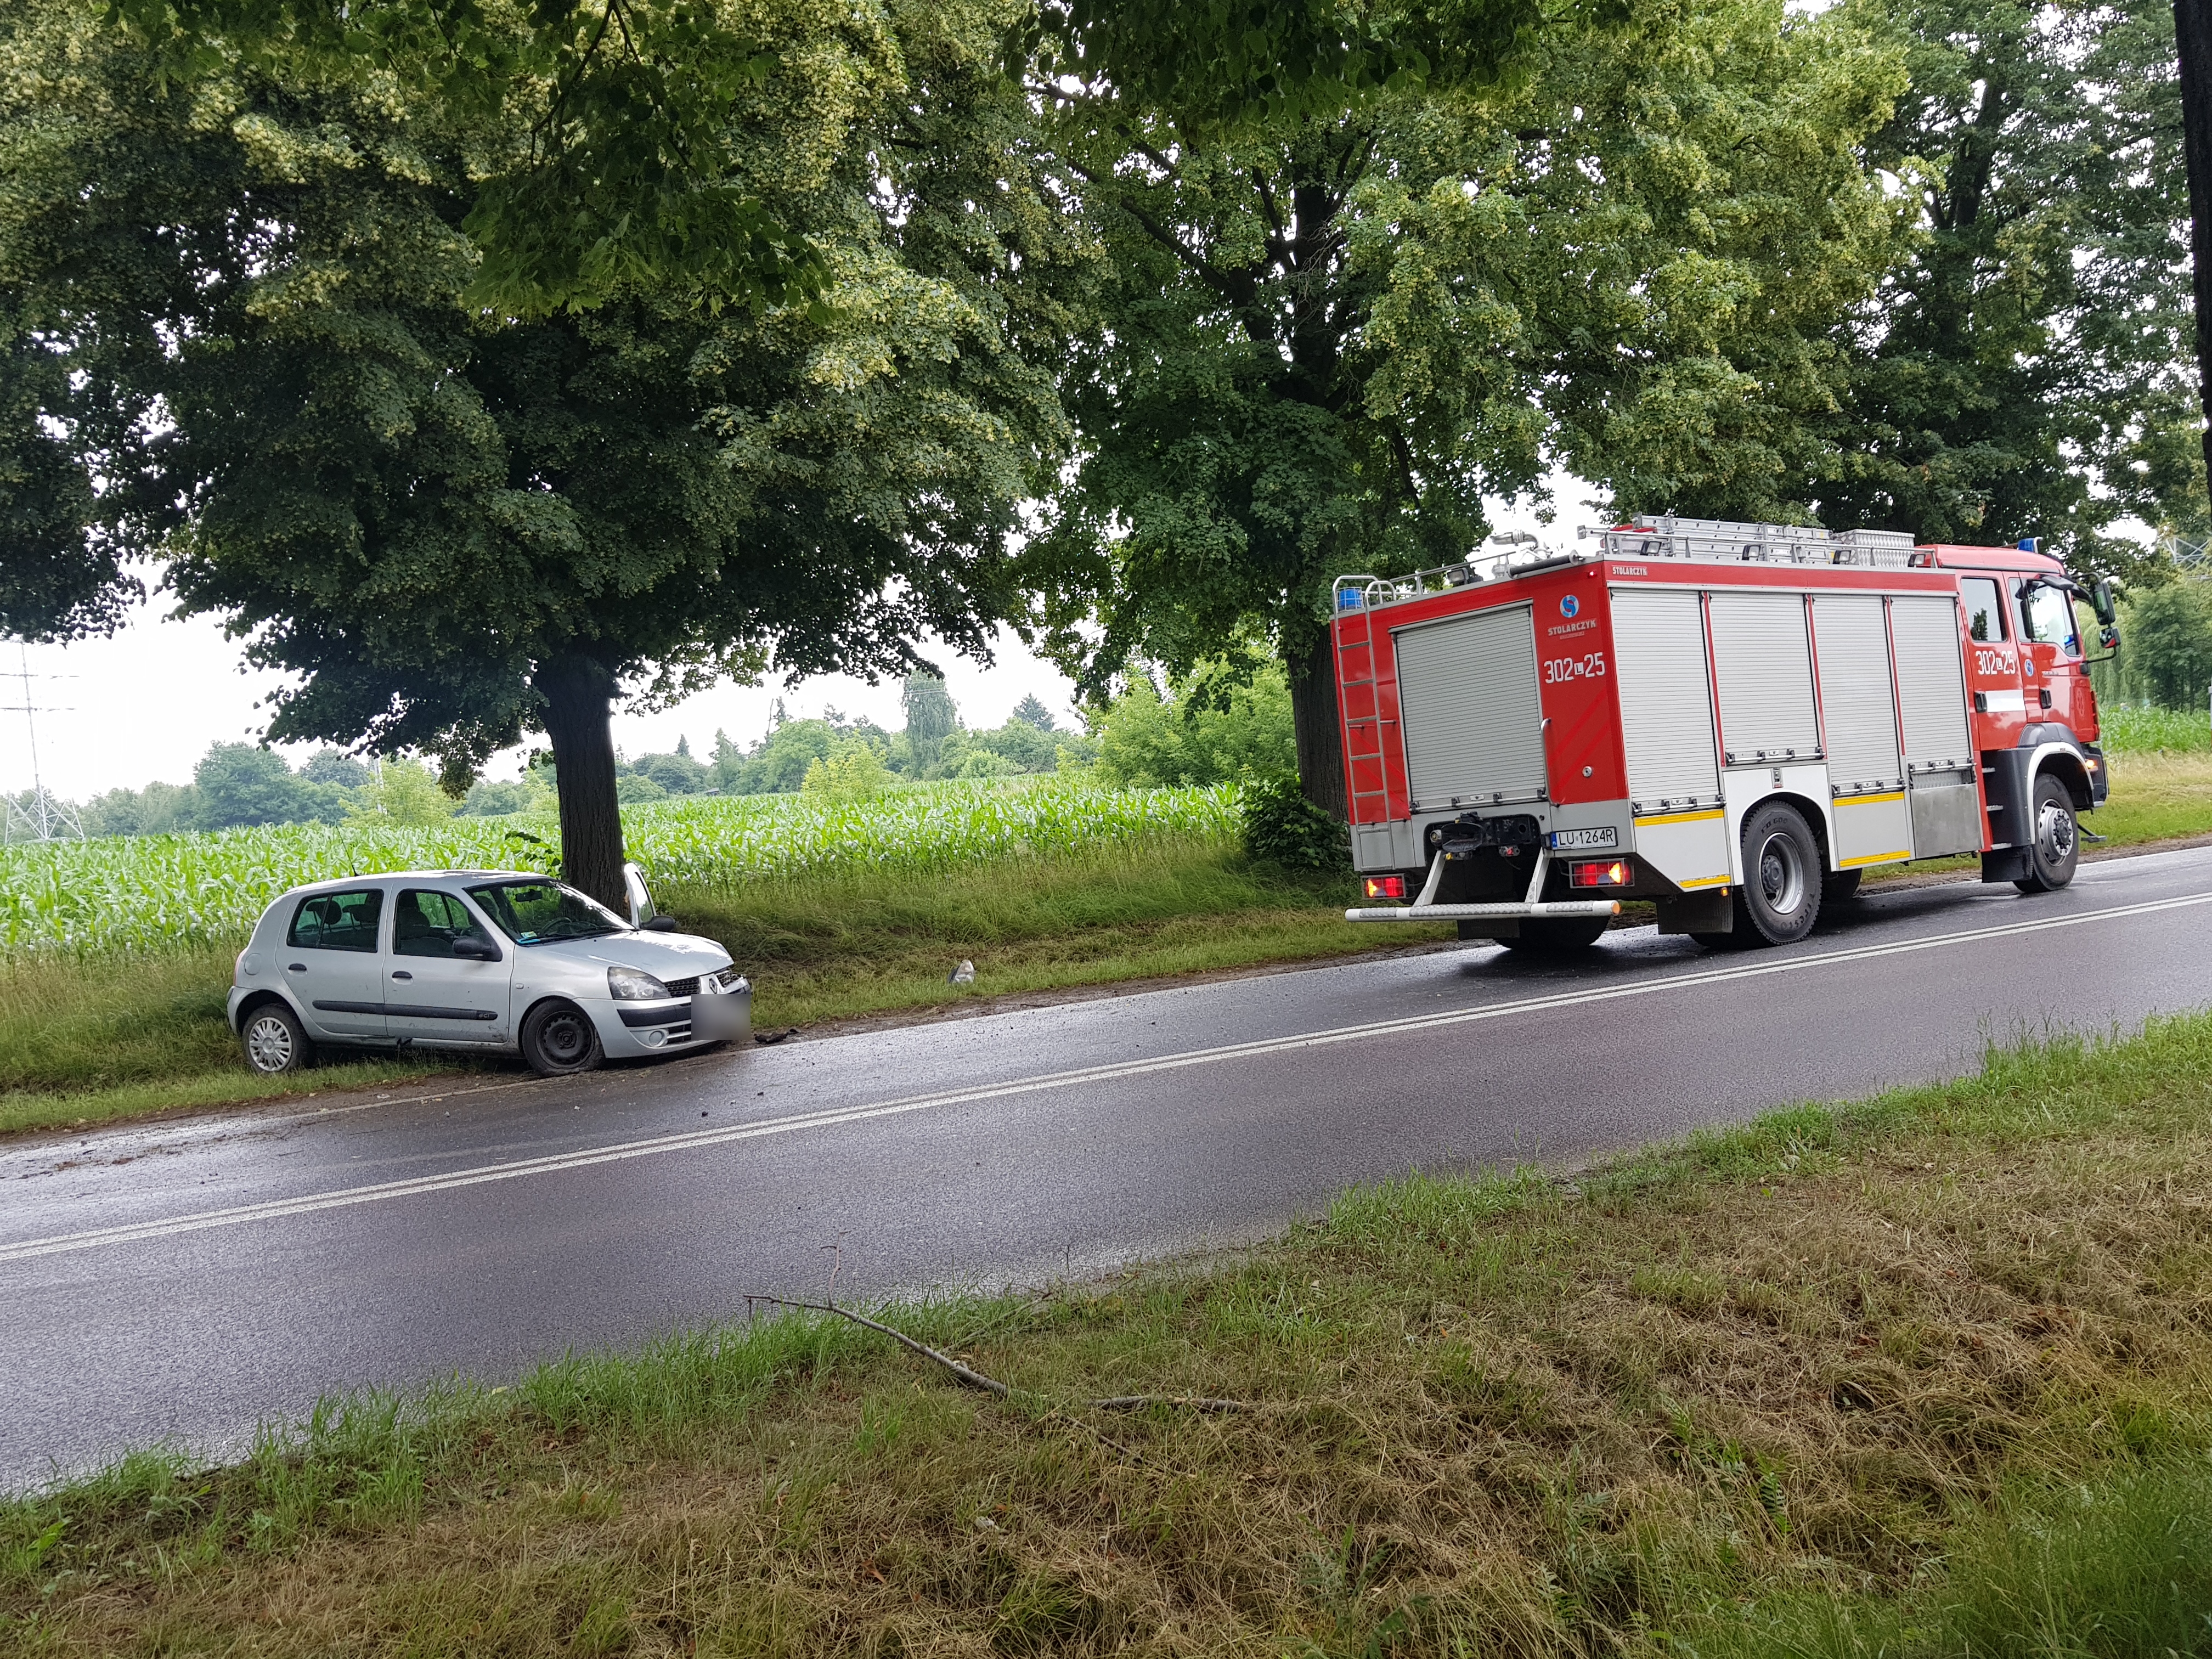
{"x":476,"y":950}
{"x":661,"y":924}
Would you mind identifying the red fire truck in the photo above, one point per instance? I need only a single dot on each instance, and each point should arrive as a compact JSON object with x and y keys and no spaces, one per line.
{"x":1734,"y":721}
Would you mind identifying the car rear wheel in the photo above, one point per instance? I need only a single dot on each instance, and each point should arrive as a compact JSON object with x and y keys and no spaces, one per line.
{"x":2057,"y":847}
{"x":559,"y":1038}
{"x":1546,"y":936}
{"x":274,"y":1041}
{"x":1780,"y":897}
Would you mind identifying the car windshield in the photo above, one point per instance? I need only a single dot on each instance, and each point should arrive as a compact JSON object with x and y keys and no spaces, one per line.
{"x":540,"y":912}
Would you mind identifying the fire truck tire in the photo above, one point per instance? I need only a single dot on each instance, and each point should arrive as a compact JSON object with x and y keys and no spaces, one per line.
{"x":1556,"y":935}
{"x":1839,"y":885}
{"x":1780,"y":897}
{"x":2057,"y":847}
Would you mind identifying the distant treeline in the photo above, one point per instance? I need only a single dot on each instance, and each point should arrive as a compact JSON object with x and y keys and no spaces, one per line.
{"x":1212,"y":728}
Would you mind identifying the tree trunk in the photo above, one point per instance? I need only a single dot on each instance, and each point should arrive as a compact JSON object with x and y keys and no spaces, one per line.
{"x":2193,"y":33}
{"x":577,"y":693}
{"x":1313,"y":720}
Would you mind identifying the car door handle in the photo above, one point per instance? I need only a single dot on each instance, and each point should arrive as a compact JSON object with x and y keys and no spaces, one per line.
{"x":402,"y":974}
{"x":295,"y":966}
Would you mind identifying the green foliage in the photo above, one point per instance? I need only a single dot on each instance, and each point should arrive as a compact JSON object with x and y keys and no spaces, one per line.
{"x":1281,"y":826}
{"x":1019,"y":746}
{"x":676,"y":775}
{"x":2166,"y":652}
{"x":404,"y":793}
{"x":238,"y":783}
{"x":1029,"y":712}
{"x":1215,"y":730}
{"x":451,"y":521}
{"x":2026,"y":368}
{"x":486,"y":800}
{"x":158,"y":809}
{"x":851,"y":771}
{"x":1328,"y":337}
{"x":335,"y":767}
{"x":931,"y":718}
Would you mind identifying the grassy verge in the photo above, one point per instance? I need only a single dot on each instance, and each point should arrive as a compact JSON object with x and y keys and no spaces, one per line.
{"x":1928,"y":1374}
{"x":96,"y":1040}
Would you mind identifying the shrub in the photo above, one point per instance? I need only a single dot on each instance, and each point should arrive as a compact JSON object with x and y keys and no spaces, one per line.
{"x":1207,"y":733}
{"x":851,"y":771}
{"x":1281,"y":826}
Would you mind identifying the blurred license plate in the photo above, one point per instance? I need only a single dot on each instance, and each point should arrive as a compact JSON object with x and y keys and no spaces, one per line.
{"x":726,"y":1018}
{"x":1585,"y":841}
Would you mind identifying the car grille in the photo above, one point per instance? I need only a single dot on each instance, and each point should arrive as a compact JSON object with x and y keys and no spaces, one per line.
{"x":721,"y":979}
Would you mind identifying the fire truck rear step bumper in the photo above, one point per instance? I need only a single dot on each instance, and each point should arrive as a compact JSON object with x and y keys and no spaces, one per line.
{"x":1529,"y":908}
{"x":1485,"y":912}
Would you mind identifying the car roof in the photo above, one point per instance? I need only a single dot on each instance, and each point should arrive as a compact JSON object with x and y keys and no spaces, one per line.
{"x":339,"y":884}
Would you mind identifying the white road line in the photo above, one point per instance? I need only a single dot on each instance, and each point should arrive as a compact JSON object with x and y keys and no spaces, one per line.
{"x":309,"y":1204}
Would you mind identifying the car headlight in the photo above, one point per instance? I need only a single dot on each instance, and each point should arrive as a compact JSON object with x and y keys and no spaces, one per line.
{"x":634,"y":984}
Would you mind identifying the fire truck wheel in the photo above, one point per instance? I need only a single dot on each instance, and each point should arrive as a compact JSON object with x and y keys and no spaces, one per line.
{"x":1555,"y":935}
{"x":1781,"y":892}
{"x":2057,"y":846}
{"x":1838,"y":885}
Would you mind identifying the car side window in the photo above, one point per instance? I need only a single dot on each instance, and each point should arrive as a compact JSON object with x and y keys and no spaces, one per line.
{"x":337,"y":922}
{"x":1984,"y":608}
{"x":425,"y":923}
{"x":2049,"y":618}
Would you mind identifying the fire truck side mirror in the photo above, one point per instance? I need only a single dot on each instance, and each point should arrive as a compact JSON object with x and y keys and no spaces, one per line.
{"x":2108,"y":627}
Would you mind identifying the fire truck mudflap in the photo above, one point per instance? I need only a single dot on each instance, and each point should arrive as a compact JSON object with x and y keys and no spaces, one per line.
{"x":1525,"y":748}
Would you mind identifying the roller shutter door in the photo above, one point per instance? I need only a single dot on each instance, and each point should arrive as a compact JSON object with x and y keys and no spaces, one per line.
{"x":1666,"y":697}
{"x":1857,"y":702}
{"x":1473,"y":723}
{"x":1764,"y":662}
{"x":1931,"y":687}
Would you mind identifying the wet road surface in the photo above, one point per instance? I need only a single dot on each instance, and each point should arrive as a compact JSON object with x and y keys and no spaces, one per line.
{"x":183,"y":1281}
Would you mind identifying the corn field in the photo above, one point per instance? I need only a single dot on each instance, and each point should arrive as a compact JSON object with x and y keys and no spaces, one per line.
{"x":152,"y":892}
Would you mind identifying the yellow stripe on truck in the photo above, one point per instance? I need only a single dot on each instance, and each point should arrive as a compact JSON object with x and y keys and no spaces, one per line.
{"x":1680,"y":817}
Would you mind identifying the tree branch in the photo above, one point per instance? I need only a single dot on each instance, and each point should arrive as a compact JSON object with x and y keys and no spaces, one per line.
{"x":975,"y":1379}
{"x":1233,"y":286}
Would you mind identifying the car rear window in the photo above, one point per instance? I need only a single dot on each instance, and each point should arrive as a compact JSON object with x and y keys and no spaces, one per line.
{"x":337,"y":922}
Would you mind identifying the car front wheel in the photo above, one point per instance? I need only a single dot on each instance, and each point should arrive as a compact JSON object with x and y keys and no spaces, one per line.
{"x":274,"y":1042}
{"x":558,"y":1038}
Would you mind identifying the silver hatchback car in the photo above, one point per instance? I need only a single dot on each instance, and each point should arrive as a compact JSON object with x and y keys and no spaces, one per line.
{"x":495,"y":961}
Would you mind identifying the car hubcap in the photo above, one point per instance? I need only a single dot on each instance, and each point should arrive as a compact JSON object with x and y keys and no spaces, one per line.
{"x":1780,"y":877}
{"x":2057,"y":832}
{"x":564,"y":1040}
{"x":268,"y":1044}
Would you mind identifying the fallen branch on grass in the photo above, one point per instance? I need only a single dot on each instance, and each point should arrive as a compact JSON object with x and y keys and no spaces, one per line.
{"x":975,"y":1379}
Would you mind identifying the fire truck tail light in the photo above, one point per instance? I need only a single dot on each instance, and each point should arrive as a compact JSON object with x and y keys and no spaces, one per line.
{"x":1614,"y":874}
{"x":1384,"y":886}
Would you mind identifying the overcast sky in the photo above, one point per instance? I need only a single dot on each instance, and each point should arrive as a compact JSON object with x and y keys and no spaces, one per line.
{"x":146,"y":704}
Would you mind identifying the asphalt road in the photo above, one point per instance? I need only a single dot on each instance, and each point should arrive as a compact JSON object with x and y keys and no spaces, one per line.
{"x":183,"y":1281}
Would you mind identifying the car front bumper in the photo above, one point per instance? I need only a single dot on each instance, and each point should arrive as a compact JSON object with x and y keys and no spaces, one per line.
{"x":628,"y":1030}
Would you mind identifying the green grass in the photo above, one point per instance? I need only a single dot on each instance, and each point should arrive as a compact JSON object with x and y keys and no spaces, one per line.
{"x":1929,"y":1375}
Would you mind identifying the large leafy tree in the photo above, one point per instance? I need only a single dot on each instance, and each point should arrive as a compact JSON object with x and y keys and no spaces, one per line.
{"x":1330,"y":332}
{"x":457,"y":527}
{"x":2024,"y":369}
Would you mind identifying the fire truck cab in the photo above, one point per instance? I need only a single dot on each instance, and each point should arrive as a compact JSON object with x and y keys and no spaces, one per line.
{"x":1734,"y":721}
